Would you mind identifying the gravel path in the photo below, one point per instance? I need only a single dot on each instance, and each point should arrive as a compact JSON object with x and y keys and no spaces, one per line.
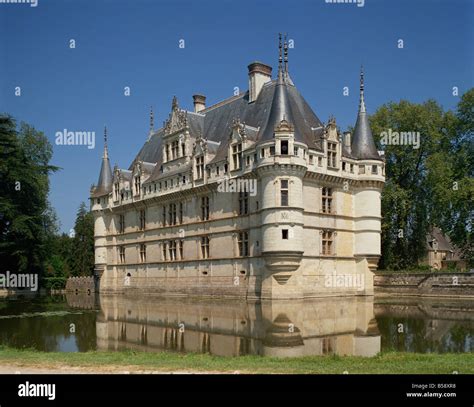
{"x":64,"y":369}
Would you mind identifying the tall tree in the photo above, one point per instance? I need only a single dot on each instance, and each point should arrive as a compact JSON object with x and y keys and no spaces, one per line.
{"x":24,"y":210}
{"x":426,"y":186}
{"x":83,"y":243}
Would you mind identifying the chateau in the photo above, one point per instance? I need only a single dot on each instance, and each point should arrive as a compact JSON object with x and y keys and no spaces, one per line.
{"x":172,"y":223}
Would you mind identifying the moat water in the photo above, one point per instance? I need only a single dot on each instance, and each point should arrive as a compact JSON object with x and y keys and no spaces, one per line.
{"x":343,"y":326}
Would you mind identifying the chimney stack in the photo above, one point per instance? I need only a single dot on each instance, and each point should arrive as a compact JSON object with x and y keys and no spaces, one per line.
{"x":347,"y":140}
{"x":259,"y":74}
{"x":199,"y":103}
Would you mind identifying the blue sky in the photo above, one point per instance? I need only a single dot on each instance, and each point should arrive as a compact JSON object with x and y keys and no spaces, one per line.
{"x":135,"y":43}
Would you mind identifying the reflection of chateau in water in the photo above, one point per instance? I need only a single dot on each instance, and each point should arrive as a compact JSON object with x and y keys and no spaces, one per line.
{"x":342,"y":326}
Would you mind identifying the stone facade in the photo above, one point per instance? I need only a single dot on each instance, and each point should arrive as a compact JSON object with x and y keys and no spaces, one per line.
{"x":252,"y":197}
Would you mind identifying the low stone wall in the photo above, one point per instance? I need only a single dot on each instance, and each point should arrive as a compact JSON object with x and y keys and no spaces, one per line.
{"x":426,"y":284}
{"x":80,"y":285}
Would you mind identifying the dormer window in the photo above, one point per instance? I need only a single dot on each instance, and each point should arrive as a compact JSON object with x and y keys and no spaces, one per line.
{"x":174,"y":149}
{"x":237,"y":156}
{"x":332,"y":155}
{"x":137,"y":185}
{"x":167,"y":152}
{"x":200,"y":167}
{"x":116,"y":191}
{"x":284,"y":147}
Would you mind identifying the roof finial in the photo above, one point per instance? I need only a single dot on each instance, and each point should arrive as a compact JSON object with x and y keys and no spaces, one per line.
{"x":286,"y":54}
{"x":152,"y":119}
{"x":174,"y":103}
{"x":361,"y":101}
{"x":106,"y":153}
{"x":280,"y":59}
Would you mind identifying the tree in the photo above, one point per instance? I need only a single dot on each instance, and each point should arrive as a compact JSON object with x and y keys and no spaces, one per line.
{"x":426,"y":186}
{"x":83,"y":243}
{"x":25,"y":214}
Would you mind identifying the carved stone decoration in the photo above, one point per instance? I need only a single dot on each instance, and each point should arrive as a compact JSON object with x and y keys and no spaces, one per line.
{"x":177,"y":120}
{"x":238,"y":129}
{"x":200,"y":142}
{"x":284,"y":126}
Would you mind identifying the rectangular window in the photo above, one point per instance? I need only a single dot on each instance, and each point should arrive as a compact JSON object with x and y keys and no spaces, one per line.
{"x":200,"y":167}
{"x":327,"y":241}
{"x":205,"y":247}
{"x":181,"y":249}
{"x":167,"y":152}
{"x":237,"y":156}
{"x":116,"y":191}
{"x":142,"y":219}
{"x":172,"y":249}
{"x":284,"y":192}
{"x":284,"y":147}
{"x":183,"y":149}
{"x":272,"y":151}
{"x":122,"y":254}
{"x":284,"y":234}
{"x":172,"y":214}
{"x":205,"y":208}
{"x":326,"y":200}
{"x":164,"y":251}
{"x":262,"y":153}
{"x":361,"y":169}
{"x":181,"y":212}
{"x":311,"y":159}
{"x":352,"y":168}
{"x":343,"y":166}
{"x":218,"y":170}
{"x":121,"y":225}
{"x":137,"y":185}
{"x":143,"y":253}
{"x":375,"y":169}
{"x":320,"y":161}
{"x":243,"y":243}
{"x":332,"y":155}
{"x":163,"y":218}
{"x":175,"y":149}
{"x":243,"y":203}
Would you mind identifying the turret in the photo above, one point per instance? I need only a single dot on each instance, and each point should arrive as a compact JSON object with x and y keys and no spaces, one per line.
{"x":367,"y":203}
{"x":281,"y":175}
{"x":99,"y":200}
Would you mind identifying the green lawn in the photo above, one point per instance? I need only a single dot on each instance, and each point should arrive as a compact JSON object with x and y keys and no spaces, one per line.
{"x":164,"y":361}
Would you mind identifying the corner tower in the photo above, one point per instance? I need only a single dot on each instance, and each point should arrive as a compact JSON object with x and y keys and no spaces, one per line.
{"x":99,"y":204}
{"x":281,"y":170}
{"x":367,"y":196}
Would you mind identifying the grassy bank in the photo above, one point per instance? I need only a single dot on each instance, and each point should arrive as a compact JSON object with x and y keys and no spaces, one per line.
{"x":398,"y":363}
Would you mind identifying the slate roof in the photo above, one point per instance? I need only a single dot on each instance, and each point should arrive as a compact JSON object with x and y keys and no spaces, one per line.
{"x":274,"y":101}
{"x":444,"y":243}
{"x":362,"y":144}
{"x":104,"y":185}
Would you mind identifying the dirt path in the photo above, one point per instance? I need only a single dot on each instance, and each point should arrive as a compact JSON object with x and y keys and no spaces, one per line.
{"x":13,"y":368}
